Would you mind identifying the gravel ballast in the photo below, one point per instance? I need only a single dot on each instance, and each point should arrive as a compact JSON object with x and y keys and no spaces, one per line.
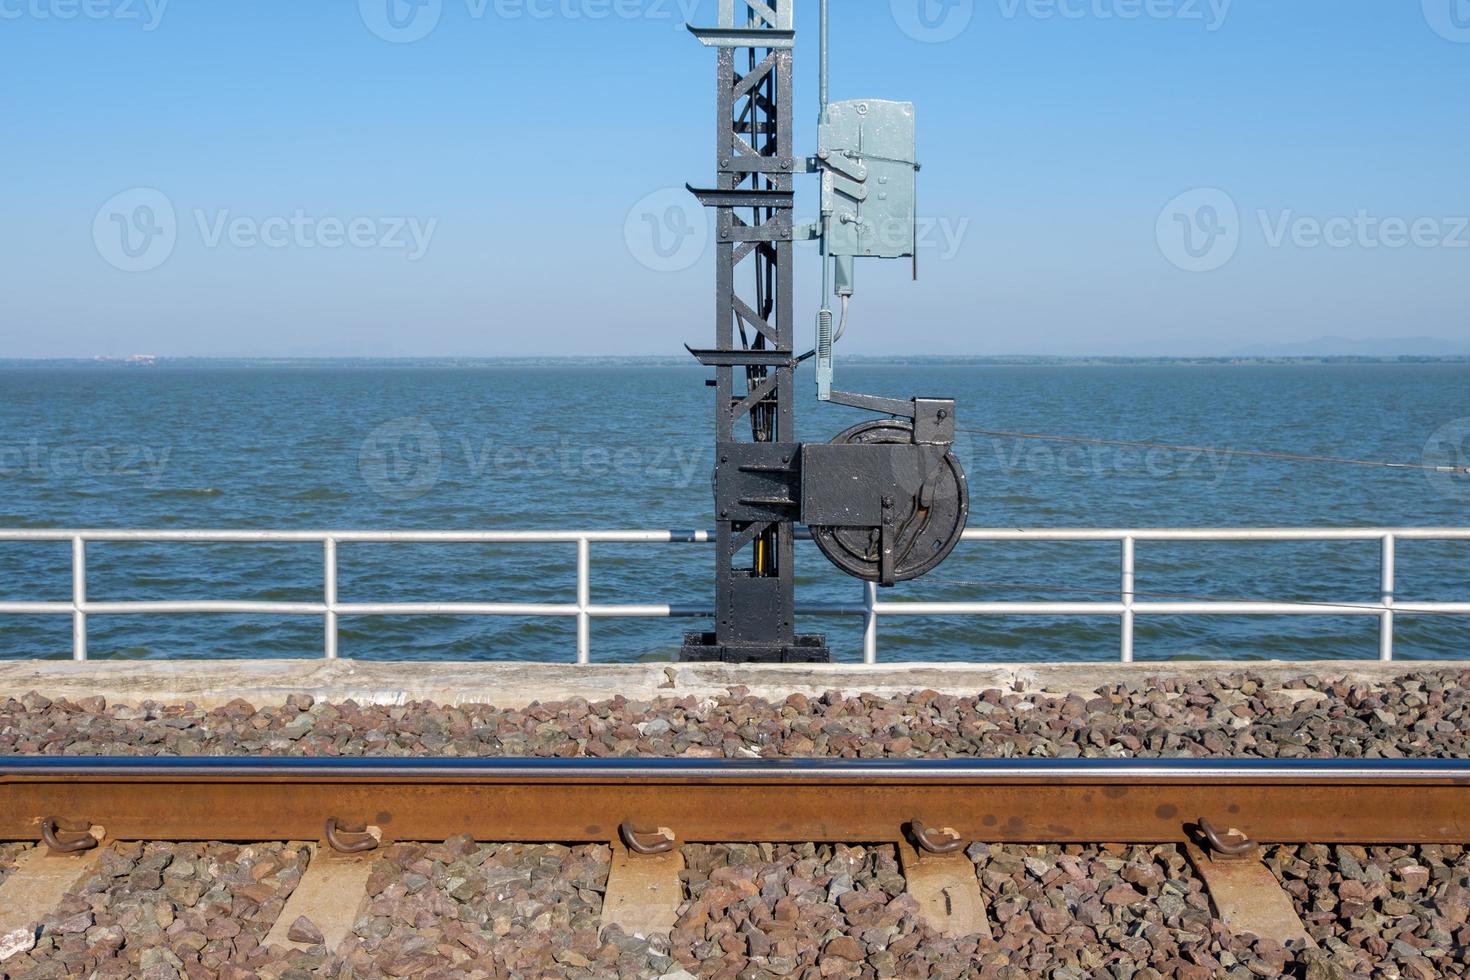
{"x":752,"y":911}
{"x":1379,"y":906}
{"x":458,"y":908}
{"x":1419,"y":715}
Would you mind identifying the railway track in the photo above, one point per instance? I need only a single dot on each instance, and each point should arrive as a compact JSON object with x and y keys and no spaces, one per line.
{"x":556,"y":800}
{"x":1218,"y":811}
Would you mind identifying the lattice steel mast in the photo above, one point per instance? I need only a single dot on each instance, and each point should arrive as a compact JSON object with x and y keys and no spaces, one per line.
{"x":887,"y":501}
{"x":754,"y":354}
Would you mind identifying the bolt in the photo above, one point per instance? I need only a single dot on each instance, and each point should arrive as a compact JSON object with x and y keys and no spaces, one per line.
{"x":785,"y":164}
{"x":887,"y":501}
{"x":724,"y":161}
{"x":943,"y":414}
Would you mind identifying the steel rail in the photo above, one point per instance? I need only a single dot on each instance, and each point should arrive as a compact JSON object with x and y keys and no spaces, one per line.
{"x":562,"y":800}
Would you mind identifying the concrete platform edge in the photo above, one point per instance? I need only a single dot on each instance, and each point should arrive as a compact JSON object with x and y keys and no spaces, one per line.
{"x":209,"y":684}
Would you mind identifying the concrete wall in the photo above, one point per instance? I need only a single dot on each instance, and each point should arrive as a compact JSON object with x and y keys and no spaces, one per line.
{"x":260,"y":682}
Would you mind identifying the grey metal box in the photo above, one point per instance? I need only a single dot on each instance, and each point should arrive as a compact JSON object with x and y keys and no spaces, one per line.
{"x":869,"y":146}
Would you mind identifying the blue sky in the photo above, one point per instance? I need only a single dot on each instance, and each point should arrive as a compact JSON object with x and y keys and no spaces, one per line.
{"x":1100,"y":176}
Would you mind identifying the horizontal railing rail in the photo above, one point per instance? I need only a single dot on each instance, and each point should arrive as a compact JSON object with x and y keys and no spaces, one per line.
{"x":1126,"y":608}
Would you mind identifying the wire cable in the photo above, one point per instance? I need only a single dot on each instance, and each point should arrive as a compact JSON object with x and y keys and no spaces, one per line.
{"x":1254,"y":454}
{"x":842,"y":324}
{"x":1176,"y":596}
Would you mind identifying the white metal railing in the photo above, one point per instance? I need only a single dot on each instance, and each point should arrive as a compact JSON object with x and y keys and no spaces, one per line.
{"x":1126,"y":608}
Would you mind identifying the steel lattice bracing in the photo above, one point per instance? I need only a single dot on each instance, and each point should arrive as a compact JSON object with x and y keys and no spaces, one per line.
{"x":753,"y":354}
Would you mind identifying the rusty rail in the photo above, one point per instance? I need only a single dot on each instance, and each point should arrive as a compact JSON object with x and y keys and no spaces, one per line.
{"x":999,"y":801}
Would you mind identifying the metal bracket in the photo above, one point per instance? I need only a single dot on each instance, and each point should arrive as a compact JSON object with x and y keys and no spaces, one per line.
{"x":743,"y":37}
{"x":944,"y":841}
{"x":875,"y":403}
{"x":743,"y":358}
{"x":67,"y":836}
{"x":850,"y":167}
{"x":660,"y":841}
{"x":348,"y":840}
{"x":757,"y":482}
{"x":1229,"y":846}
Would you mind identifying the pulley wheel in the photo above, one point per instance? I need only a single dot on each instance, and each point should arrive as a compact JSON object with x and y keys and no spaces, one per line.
{"x":928,"y":528}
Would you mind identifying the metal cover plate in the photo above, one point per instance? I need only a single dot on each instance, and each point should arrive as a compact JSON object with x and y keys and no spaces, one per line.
{"x":880,"y":135}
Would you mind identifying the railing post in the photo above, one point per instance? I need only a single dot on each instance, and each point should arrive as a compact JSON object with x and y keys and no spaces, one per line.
{"x":78,"y":598}
{"x":1128,"y":586}
{"x":1385,"y":621}
{"x":329,"y":564}
{"x":584,"y":599}
{"x":870,"y":623}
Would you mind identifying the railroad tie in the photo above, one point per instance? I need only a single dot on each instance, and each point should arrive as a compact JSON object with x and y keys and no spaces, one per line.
{"x":947,"y":888}
{"x":328,"y":898}
{"x":33,"y":890}
{"x":1246,"y":896}
{"x":644,"y":890}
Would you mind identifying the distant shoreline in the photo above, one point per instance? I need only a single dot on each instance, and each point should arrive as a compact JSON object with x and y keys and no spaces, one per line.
{"x":444,"y":363}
